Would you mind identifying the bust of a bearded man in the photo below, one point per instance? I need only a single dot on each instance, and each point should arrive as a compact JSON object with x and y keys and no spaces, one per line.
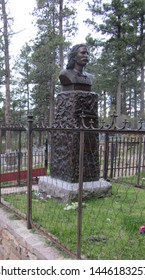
{"x":74,"y":76}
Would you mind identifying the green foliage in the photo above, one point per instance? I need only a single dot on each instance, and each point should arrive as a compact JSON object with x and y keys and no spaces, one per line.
{"x":121,"y":29}
{"x":37,"y":68}
{"x":117,"y":55}
{"x":55,"y":23}
{"x":22,"y":83}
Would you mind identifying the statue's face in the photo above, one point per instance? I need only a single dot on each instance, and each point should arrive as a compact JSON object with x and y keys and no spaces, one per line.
{"x":82,"y":56}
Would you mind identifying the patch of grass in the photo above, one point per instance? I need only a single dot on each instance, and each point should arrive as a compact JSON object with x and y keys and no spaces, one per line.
{"x":132,"y":179}
{"x":109,"y":228}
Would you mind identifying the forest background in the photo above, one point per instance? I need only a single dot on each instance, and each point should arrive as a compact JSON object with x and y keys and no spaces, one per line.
{"x":116,"y":41}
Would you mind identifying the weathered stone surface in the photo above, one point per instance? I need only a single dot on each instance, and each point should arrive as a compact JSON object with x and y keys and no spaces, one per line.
{"x":69,"y":191}
{"x":65,"y":145}
{"x":2,"y":252}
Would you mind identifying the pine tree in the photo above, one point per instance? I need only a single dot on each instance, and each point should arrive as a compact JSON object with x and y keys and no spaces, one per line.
{"x":22,"y":80}
{"x":54,"y":21}
{"x":136,"y":16}
{"x":123,"y":26}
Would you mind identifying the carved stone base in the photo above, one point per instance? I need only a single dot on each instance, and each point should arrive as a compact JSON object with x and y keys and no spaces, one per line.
{"x":65,"y":144}
{"x":68,"y":192}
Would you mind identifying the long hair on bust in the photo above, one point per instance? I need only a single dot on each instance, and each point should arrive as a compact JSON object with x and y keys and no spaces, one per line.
{"x":72,"y":54}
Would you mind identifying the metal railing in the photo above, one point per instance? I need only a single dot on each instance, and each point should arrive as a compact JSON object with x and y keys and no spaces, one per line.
{"x":121,"y":155}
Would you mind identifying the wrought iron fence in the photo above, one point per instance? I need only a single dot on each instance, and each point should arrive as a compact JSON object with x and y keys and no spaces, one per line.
{"x":124,"y":155}
{"x":86,"y":225}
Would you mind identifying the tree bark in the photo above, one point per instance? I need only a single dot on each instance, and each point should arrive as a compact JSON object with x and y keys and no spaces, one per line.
{"x":142,"y":67}
{"x":61,"y":32}
{"x":7,"y":72}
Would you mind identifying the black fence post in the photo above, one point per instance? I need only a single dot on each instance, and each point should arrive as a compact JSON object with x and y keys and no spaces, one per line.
{"x":106,"y":156}
{"x":112,"y":159}
{"x":30,"y":155}
{"x":139,"y":159}
{"x":46,"y":154}
{"x":80,"y":193}
{"x":19,"y":159}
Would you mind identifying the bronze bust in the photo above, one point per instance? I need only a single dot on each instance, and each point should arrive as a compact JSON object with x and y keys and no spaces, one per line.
{"x":74,"y":76}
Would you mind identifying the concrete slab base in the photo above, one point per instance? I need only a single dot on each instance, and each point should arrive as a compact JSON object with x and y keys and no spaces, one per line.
{"x":68,"y":192}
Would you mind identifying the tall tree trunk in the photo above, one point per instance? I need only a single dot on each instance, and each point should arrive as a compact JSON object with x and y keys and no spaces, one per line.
{"x":142,"y":89}
{"x":118,"y":103}
{"x":7,"y":72}
{"x":130,"y":97}
{"x":28,"y":94}
{"x":118,"y":98}
{"x":104,"y":103}
{"x":61,"y":32}
{"x":142,"y":67}
{"x":51,"y":116}
{"x":52,"y":85}
{"x":135,"y":97}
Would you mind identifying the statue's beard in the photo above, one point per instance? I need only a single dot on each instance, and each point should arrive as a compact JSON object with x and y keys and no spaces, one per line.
{"x":82,"y":63}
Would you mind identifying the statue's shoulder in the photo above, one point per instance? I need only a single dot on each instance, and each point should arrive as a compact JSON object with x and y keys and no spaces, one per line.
{"x":66,"y":72}
{"x":66,"y":76}
{"x":90,"y":77}
{"x":69,"y":76}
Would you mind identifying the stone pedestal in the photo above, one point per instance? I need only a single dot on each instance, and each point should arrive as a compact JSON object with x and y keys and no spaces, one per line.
{"x":68,"y":192}
{"x":65,"y":144}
